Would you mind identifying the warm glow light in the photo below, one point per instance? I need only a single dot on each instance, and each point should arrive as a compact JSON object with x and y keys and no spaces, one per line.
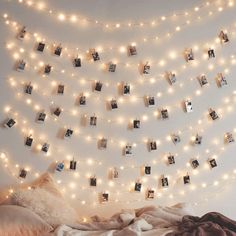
{"x":61,"y":17}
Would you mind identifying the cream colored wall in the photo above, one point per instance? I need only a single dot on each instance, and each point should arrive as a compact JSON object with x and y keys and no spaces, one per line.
{"x":196,"y":35}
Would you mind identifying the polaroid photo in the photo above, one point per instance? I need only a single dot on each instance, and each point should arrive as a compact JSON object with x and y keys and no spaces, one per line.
{"x":126,"y":89}
{"x":137,"y":187}
{"x":136,"y":124}
{"x":132,"y":51}
{"x":22,"y":33}
{"x":171,"y":159}
{"x":188,"y":106}
{"x":222,"y":80}
{"x":146,"y":69}
{"x":60,"y":89}
{"x":175,"y":138}
{"x":98,"y":86}
{"x":128,"y":150}
{"x":203,"y":80}
{"x":212,"y":163}
{"x":147,"y":170}
{"x":94,"y":55}
{"x":150,"y":194}
{"x":29,"y":141}
{"x":68,"y":133}
{"x":21,"y":65}
{"x":213,"y":114}
{"x":115,"y":173}
{"x":60,"y":166}
{"x":58,"y":50}
{"x":164,"y":182}
{"x":57,"y":111}
{"x":105,"y":197}
{"x":172,"y":77}
{"x":103,"y":143}
{"x":186,"y":179}
{"x":82,"y":100}
{"x":28,"y":89}
{"x":211,"y":53}
{"x":164,"y":114}
{"x":10,"y":123}
{"x":93,"y":120}
{"x":41,"y":117}
{"x":198,"y":140}
{"x":77,"y":62}
{"x":223,"y":37}
{"x":73,"y":164}
{"x":195,"y":163}
{"x":229,"y":138}
{"x":111,"y":67}
{"x":114,"y":104}
{"x":45,"y":147}
{"x":189,"y":55}
{"x":47,"y":69}
{"x":41,"y":47}
{"x":150,"y":101}
{"x":152,"y":145}
{"x":93,"y":181}
{"x":23,"y":173}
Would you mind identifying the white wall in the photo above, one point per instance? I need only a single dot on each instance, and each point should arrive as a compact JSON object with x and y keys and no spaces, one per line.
{"x":199,"y":33}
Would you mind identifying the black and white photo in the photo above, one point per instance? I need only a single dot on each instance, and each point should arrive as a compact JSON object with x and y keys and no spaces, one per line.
{"x":175,"y":138}
{"x":211,"y":53}
{"x":57,"y":111}
{"x":203,"y":80}
{"x":172,"y":77}
{"x":29,"y":88}
{"x":94,"y":54}
{"x":98,"y":86}
{"x":10,"y":123}
{"x":22,"y":33}
{"x":223,"y":37}
{"x":212,"y":163}
{"x":189,"y":55}
{"x":152,"y":145}
{"x":150,"y":101}
{"x":146,"y":68}
{"x":188,"y":106}
{"x":147,"y":170}
{"x":29,"y":141}
{"x":132,"y":51}
{"x":164,"y":182}
{"x":150,"y":194}
{"x":103,"y":143}
{"x":41,"y":117}
{"x":136,"y":124}
{"x":229,"y":138}
{"x":45,"y":147}
{"x":47,"y":69}
{"x":93,"y":181}
{"x":186,"y":179}
{"x":40,"y":46}
{"x":105,"y":197}
{"x":171,"y":159}
{"x":68,"y":133}
{"x":126,"y":89}
{"x":114,"y":104}
{"x":60,"y":89}
{"x":198,"y":139}
{"x":23,"y":173}
{"x":164,"y":114}
{"x":137,"y":187}
{"x":128,"y":150}
{"x":195,"y":163}
{"x":58,"y":50}
{"x":77,"y":62}
{"x":21,"y":65}
{"x":82,"y":100}
{"x":73,"y":164}
{"x":93,"y":120}
{"x":111,"y":67}
{"x":213,"y":114}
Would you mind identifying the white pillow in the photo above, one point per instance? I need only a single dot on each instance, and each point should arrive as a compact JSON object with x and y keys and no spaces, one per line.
{"x":53,"y":209}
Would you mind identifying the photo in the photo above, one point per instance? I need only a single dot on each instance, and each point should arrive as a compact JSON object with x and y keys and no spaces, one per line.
{"x":93,"y":181}
{"x":94,"y":55}
{"x":114,"y":104}
{"x":189,"y":55}
{"x":105,"y":197}
{"x":186,"y":179}
{"x":171,"y":159}
{"x":60,"y":166}
{"x":98,"y":86}
{"x":111,"y":67}
{"x":60,"y":89}
{"x":41,"y":47}
{"x":211,"y":53}
{"x":77,"y":62}
{"x":198,"y":139}
{"x":47,"y":69}
{"x":132,"y":51}
{"x":58,"y":50}
{"x":164,"y":114}
{"x":23,"y":173}
{"x":136,"y":124}
{"x":45,"y":147}
{"x":21,"y":65}
{"x":151,"y":101}
{"x":103,"y":143}
{"x":212,"y":163}
{"x":146,"y":68}
{"x":175,"y":138}
{"x":68,"y":133}
{"x":41,"y":117}
{"x":223,"y":37}
{"x":172,"y":78}
{"x":213,"y":114}
{"x":147,"y":170}
{"x":150,"y":194}
{"x":128,"y":150}
{"x":115,"y":173}
{"x":188,"y":106}
{"x":194,"y":163}
{"x":137,"y":187}
{"x":11,"y":122}
{"x":22,"y":33}
{"x":29,"y":141}
{"x":153,"y":145}
{"x":82,"y":100}
{"x":222,"y":80}
{"x":126,"y":89}
{"x":229,"y":138}
{"x":28,"y":88}
{"x":93,"y":120}
{"x":203,"y":80}
{"x":73,"y":164}
{"x":164,"y":182}
{"x":57,"y":111}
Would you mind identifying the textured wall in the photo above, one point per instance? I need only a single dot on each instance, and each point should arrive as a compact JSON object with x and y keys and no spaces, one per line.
{"x":164,"y":54}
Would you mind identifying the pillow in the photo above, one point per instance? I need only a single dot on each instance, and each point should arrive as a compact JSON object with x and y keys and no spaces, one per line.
{"x":53,"y":209}
{"x":19,"y":221}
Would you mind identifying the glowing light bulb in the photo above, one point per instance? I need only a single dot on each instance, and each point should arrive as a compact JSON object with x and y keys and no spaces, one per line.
{"x":61,"y":17}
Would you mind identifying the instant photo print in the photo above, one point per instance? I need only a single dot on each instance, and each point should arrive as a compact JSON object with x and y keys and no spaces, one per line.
{"x":222,"y":80}
{"x":82,"y":100}
{"x":175,"y":138}
{"x":211,"y":53}
{"x":136,"y":124}
{"x":73,"y":164}
{"x":57,"y":111}
{"x":40,"y":46}
{"x":58,"y":50}
{"x":23,"y":173}
{"x":164,"y":114}
{"x":212,"y":163}
{"x":41,"y":117}
{"x":150,"y":101}
{"x":68,"y":133}
{"x":213,"y":114}
{"x":47,"y":69}
{"x":188,"y":106}
{"x":229,"y":138}
{"x":132,"y":51}
{"x":186,"y":179}
{"x":172,"y":77}
{"x":137,"y":187}
{"x":152,"y":145}
{"x":189,"y":55}
{"x":150,"y":194}
{"x":45,"y":147}
{"x":198,"y":140}
{"x":146,"y":69}
{"x":164,"y":182}
{"x":10,"y":123}
{"x":29,"y":141}
{"x":223,"y":37}
{"x":114,"y":104}
{"x":194,"y":163}
{"x":98,"y":86}
{"x":171,"y":159}
{"x":111,"y":67}
{"x":203,"y":80}
{"x":115,"y":173}
{"x":21,"y":65}
{"x":93,"y":120}
{"x":94,"y":55}
{"x":60,"y":166}
{"x":126,"y":89}
{"x":128,"y":150}
{"x":77,"y":62}
{"x":103,"y":143}
{"x":93,"y":181}
{"x":105,"y":197}
{"x":28,"y":89}
{"x":60,"y":89}
{"x":147,"y":170}
{"x":22,"y":33}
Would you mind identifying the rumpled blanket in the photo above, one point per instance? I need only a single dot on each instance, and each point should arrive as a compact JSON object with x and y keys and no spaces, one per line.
{"x":211,"y":224}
